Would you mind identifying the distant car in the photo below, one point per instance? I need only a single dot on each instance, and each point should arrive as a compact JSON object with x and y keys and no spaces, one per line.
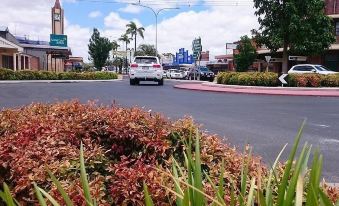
{"x":310,"y":68}
{"x":175,"y":74}
{"x":201,"y":73}
{"x":146,"y":68}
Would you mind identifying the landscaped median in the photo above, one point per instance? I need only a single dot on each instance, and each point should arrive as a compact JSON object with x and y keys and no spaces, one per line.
{"x":270,"y":79}
{"x":123,"y":149}
{"x":10,"y":75}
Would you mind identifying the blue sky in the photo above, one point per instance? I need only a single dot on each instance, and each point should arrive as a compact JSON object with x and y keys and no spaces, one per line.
{"x":217,"y":22}
{"x":77,"y":13}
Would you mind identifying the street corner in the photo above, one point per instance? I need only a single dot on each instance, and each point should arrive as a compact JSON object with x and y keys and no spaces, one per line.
{"x":256,"y":90}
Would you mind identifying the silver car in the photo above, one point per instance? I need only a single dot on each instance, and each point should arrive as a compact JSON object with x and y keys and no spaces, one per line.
{"x":310,"y":68}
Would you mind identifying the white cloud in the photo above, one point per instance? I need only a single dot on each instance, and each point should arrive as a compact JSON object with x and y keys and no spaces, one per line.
{"x":131,"y":9}
{"x":216,"y":26}
{"x":94,"y":14}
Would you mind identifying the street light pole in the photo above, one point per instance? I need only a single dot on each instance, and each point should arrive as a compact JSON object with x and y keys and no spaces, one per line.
{"x":156,"y":14}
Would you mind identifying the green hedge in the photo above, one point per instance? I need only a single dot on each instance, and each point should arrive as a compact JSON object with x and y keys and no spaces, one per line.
{"x":248,"y":78}
{"x":7,"y":74}
{"x":271,"y":79}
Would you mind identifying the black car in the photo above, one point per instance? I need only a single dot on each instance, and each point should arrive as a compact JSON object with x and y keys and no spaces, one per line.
{"x":201,"y":73}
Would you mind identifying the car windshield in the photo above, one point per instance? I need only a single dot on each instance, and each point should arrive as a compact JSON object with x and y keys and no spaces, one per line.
{"x":321,"y":68}
{"x":204,"y":69}
{"x":175,"y":71}
{"x":146,"y":60}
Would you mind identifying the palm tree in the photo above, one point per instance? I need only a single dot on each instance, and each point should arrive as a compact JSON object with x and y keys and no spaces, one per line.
{"x":133,"y":29}
{"x":127,"y":40}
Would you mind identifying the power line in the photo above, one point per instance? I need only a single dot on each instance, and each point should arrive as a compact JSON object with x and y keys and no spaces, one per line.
{"x":216,"y":3}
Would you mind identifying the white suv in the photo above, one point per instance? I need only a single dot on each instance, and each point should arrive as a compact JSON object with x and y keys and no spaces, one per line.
{"x":310,"y":68}
{"x":146,"y":68}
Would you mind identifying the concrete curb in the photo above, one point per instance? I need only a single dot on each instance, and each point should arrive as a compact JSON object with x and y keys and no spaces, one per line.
{"x":213,"y":84}
{"x":254,"y":91}
{"x":185,"y":81}
{"x":55,"y":81}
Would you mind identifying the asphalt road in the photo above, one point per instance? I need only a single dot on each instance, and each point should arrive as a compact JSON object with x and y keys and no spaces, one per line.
{"x":266,"y":122}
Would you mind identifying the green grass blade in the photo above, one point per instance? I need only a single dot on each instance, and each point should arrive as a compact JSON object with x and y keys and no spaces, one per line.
{"x":39,"y":196}
{"x":60,"y":189}
{"x":269,"y":201}
{"x":261,"y":198}
{"x":83,"y":176}
{"x":216,"y":190}
{"x":186,"y":200}
{"x":250,"y":197}
{"x":297,"y":172}
{"x":148,"y":199}
{"x":8,"y":196}
{"x":221,"y":192}
{"x":178,"y":190}
{"x":198,"y":197}
{"x":49,"y":197}
{"x":244,"y":174}
{"x":284,"y":181}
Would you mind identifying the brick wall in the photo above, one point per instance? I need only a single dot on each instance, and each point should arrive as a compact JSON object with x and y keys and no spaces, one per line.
{"x":331,"y":7}
{"x":35,"y":63}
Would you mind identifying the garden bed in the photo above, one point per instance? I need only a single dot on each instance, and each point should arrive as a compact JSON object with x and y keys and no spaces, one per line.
{"x":271,"y":79}
{"x":7,"y":74}
{"x":123,"y":149}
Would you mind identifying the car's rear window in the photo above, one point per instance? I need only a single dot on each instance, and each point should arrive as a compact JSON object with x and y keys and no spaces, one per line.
{"x":146,"y":60}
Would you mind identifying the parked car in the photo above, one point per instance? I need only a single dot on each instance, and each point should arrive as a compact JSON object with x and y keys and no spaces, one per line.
{"x":175,"y":74}
{"x":201,"y":73}
{"x":310,"y":68}
{"x":146,"y":68}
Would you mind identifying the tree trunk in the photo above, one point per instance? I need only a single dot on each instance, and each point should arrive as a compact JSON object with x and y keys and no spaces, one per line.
{"x":285,"y":58}
{"x":135,"y":43}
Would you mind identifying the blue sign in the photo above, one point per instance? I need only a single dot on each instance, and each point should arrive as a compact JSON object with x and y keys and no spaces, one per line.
{"x":182,"y":57}
{"x":58,"y":40}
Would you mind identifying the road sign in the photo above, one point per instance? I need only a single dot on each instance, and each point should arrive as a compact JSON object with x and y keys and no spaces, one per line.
{"x":268,"y":59}
{"x":282,"y":78}
{"x":120,"y":53}
{"x":58,"y":40}
{"x":297,"y":58}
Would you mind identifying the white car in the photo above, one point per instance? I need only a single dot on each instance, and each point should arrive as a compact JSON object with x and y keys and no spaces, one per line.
{"x":146,"y":68}
{"x":310,"y":68}
{"x":175,"y":74}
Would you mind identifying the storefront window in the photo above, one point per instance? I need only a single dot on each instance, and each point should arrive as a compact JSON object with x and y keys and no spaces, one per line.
{"x":337,"y":28}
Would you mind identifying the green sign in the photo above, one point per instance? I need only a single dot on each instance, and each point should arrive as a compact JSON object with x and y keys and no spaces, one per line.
{"x":58,"y":40}
{"x":197,"y":48}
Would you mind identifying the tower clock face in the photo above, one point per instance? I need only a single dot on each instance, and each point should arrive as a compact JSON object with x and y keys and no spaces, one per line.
{"x":56,"y":17}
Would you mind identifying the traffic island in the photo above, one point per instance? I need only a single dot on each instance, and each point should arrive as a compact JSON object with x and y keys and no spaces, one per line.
{"x":257,"y":90}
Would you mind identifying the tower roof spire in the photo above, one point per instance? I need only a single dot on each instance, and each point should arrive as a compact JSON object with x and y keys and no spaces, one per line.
{"x":57,"y":4}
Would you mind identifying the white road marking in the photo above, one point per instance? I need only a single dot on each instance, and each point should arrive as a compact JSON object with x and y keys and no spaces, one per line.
{"x":326,"y":141}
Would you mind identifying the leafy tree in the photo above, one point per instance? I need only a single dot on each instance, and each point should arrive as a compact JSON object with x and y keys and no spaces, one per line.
{"x":298,"y":26}
{"x":133,"y":29}
{"x":146,"y":50}
{"x":247,"y":54}
{"x":118,"y":62}
{"x":98,"y":49}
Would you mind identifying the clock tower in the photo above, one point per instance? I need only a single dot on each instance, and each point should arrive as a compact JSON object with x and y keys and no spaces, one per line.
{"x":57,"y":18}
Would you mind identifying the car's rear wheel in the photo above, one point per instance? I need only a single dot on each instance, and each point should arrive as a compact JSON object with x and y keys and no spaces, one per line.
{"x":161,"y":82}
{"x":132,"y":82}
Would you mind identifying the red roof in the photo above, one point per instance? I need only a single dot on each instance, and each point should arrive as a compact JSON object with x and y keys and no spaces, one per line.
{"x":57,"y":4}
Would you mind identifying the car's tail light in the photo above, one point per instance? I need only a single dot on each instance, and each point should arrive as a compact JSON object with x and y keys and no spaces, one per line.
{"x":156,"y":66}
{"x":133,"y":66}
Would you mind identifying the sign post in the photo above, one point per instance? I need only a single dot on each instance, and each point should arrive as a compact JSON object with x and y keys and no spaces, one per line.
{"x":268,"y":59}
{"x":196,"y":48}
{"x":282,"y":79}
